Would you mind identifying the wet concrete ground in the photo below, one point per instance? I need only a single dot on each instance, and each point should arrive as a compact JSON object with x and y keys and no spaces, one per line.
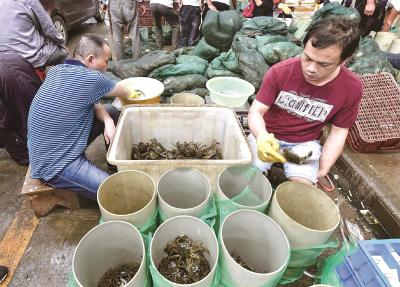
{"x":39,"y":251}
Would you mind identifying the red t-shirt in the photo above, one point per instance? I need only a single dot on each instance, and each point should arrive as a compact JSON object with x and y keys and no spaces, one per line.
{"x":298,"y":109}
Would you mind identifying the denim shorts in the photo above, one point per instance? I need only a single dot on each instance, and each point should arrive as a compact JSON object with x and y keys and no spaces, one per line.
{"x":307,"y":170}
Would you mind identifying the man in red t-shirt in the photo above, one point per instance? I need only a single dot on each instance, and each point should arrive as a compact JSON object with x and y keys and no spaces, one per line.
{"x":300,"y":95}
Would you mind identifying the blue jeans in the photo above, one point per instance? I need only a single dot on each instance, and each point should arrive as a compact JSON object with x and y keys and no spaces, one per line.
{"x":81,"y":175}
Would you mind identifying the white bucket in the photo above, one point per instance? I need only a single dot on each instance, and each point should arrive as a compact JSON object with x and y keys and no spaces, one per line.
{"x":306,"y":214}
{"x":129,"y":196}
{"x":196,"y":230}
{"x":260,"y":242}
{"x":106,"y":246}
{"x":183,"y":191}
{"x":187,"y":99}
{"x":237,"y":179}
{"x":385,"y":39}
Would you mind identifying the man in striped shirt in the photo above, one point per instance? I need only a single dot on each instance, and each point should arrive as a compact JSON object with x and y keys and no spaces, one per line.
{"x":66,"y":116}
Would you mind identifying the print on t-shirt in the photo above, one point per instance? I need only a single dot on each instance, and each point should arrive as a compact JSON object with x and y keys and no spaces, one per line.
{"x":306,"y":108}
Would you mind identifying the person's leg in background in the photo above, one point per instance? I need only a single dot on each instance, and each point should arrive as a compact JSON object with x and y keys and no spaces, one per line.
{"x":185,"y":22}
{"x":194,"y":35}
{"x":132,"y":13}
{"x":156,"y":12}
{"x":173,"y":20}
{"x":117,"y":29}
{"x":19,"y":84}
{"x":81,"y":175}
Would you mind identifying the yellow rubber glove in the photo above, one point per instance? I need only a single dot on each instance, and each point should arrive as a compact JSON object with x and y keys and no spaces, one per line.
{"x":285,"y":8}
{"x":268,"y":148}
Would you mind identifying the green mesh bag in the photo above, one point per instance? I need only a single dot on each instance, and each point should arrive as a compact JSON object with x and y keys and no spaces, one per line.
{"x":277,"y":52}
{"x":301,"y":259}
{"x":208,"y":216}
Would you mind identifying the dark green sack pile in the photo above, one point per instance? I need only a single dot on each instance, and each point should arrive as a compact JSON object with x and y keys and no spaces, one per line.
{"x":242,"y":43}
{"x":336,"y":10}
{"x":219,"y":28}
{"x":268,"y":39}
{"x":202,"y":92}
{"x":183,"y":83}
{"x":212,"y":73}
{"x":369,"y":59}
{"x":263,"y":25}
{"x":186,"y":64}
{"x":205,"y":50}
{"x":142,"y":67}
{"x":252,"y":67}
{"x":276,"y":52}
{"x":227,"y":61}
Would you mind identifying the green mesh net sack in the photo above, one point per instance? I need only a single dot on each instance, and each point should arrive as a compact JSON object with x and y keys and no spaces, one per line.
{"x":149,"y":227}
{"x":252,"y":67}
{"x":301,"y":259}
{"x":185,"y":64}
{"x":212,"y":73}
{"x":205,"y":50}
{"x":336,"y":10}
{"x":242,"y":43}
{"x":263,"y":25}
{"x":268,"y":39}
{"x":208,"y":215}
{"x":226,"y":61}
{"x":277,"y":52}
{"x":369,"y":59}
{"x":219,"y":28}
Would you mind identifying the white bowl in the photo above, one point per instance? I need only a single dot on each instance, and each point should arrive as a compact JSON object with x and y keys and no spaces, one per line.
{"x":229,"y":91}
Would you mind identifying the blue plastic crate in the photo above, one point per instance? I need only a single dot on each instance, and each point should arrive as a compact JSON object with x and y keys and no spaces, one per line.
{"x":366,"y":270}
{"x":346,"y":275}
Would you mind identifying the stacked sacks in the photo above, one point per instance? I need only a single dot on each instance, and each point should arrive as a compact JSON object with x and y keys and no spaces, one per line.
{"x":226,"y":65}
{"x":219,"y":28}
{"x":369,"y":59}
{"x":276,"y":48}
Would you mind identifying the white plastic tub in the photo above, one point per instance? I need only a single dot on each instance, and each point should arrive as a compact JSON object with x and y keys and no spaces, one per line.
{"x":169,"y":124}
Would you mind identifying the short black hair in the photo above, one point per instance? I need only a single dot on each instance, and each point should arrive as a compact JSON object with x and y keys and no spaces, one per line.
{"x":334,"y":31}
{"x":90,"y":44}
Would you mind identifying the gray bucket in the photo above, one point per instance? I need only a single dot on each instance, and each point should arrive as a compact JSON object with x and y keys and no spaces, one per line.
{"x":183,"y":191}
{"x":106,"y":246}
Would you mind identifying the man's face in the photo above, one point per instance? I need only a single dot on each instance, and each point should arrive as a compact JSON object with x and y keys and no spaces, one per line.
{"x":100,"y":63}
{"x":320,"y":65}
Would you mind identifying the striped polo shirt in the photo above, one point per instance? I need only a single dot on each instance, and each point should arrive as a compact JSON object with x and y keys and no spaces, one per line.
{"x":61,"y":116}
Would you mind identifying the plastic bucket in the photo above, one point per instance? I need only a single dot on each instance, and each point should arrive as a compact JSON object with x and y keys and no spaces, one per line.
{"x":151,"y":89}
{"x":385,"y":39}
{"x":129,"y":196}
{"x":196,"y":230}
{"x":235,"y":180}
{"x":107,"y":246}
{"x":183,"y":191}
{"x":306,"y":214}
{"x":229,"y":91}
{"x":187,"y":99}
{"x":260,"y":242}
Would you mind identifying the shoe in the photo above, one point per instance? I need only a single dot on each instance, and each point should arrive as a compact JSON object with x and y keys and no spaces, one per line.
{"x":3,"y":273}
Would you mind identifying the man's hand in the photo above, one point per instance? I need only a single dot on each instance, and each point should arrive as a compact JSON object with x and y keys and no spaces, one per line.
{"x":268,"y":148}
{"x":369,"y":8}
{"x":109,"y":131}
{"x":142,"y":10}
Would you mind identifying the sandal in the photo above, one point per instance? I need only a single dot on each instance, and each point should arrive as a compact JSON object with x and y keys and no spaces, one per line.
{"x":325,"y":184}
